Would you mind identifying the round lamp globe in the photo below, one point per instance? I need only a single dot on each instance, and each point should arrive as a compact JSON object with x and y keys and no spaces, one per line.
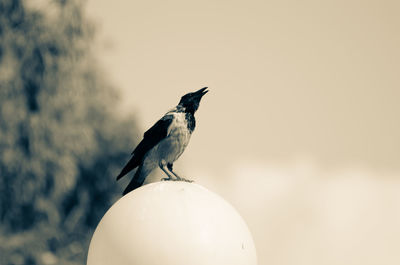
{"x":172,"y":223}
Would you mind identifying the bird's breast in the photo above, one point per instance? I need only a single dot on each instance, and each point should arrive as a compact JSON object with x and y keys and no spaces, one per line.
{"x":178,"y":135}
{"x":170,"y":148}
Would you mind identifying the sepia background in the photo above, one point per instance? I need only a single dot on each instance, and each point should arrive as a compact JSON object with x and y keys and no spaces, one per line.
{"x":300,"y":129}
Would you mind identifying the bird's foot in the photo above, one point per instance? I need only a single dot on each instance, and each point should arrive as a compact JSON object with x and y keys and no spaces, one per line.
{"x":177,"y":179}
{"x":186,"y":180}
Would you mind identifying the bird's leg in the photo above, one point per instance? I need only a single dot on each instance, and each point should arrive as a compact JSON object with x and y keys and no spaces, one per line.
{"x":162,"y":165}
{"x":178,"y":178}
{"x":169,"y":166}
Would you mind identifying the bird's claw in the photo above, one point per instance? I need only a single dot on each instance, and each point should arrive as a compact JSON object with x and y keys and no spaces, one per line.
{"x":177,"y":179}
{"x":186,"y":180}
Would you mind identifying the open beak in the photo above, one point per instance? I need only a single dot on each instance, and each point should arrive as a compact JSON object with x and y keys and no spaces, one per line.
{"x":201,"y":92}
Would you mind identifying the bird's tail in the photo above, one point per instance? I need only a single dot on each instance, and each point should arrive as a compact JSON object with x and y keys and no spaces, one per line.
{"x":133,"y":162}
{"x":137,"y":180}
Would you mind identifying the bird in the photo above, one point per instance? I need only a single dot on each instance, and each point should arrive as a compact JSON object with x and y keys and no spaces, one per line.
{"x":164,"y":142}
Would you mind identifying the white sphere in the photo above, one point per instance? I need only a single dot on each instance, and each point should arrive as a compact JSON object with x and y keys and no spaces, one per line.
{"x":172,"y":223}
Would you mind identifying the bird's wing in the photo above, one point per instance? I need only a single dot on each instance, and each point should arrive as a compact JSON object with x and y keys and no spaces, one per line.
{"x":150,"y":139}
{"x":154,"y":135}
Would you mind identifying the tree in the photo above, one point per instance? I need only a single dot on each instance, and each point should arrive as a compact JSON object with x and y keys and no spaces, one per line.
{"x":61,"y":141}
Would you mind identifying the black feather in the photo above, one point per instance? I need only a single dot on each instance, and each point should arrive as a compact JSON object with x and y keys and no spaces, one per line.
{"x":191,"y":121}
{"x":135,"y":183}
{"x":150,"y":139}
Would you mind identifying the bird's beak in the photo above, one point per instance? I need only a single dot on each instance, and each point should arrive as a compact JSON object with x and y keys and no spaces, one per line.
{"x":201,"y":92}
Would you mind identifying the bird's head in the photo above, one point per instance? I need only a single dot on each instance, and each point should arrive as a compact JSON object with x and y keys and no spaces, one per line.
{"x":191,"y":101}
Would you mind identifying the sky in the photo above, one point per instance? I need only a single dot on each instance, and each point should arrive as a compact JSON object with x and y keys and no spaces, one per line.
{"x":300,"y":129}
{"x":287,"y":79}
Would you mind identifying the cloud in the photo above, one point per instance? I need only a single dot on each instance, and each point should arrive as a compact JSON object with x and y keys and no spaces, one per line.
{"x":300,"y":214}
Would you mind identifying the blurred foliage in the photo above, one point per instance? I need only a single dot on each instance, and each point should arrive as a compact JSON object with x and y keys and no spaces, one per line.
{"x":61,"y":142}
